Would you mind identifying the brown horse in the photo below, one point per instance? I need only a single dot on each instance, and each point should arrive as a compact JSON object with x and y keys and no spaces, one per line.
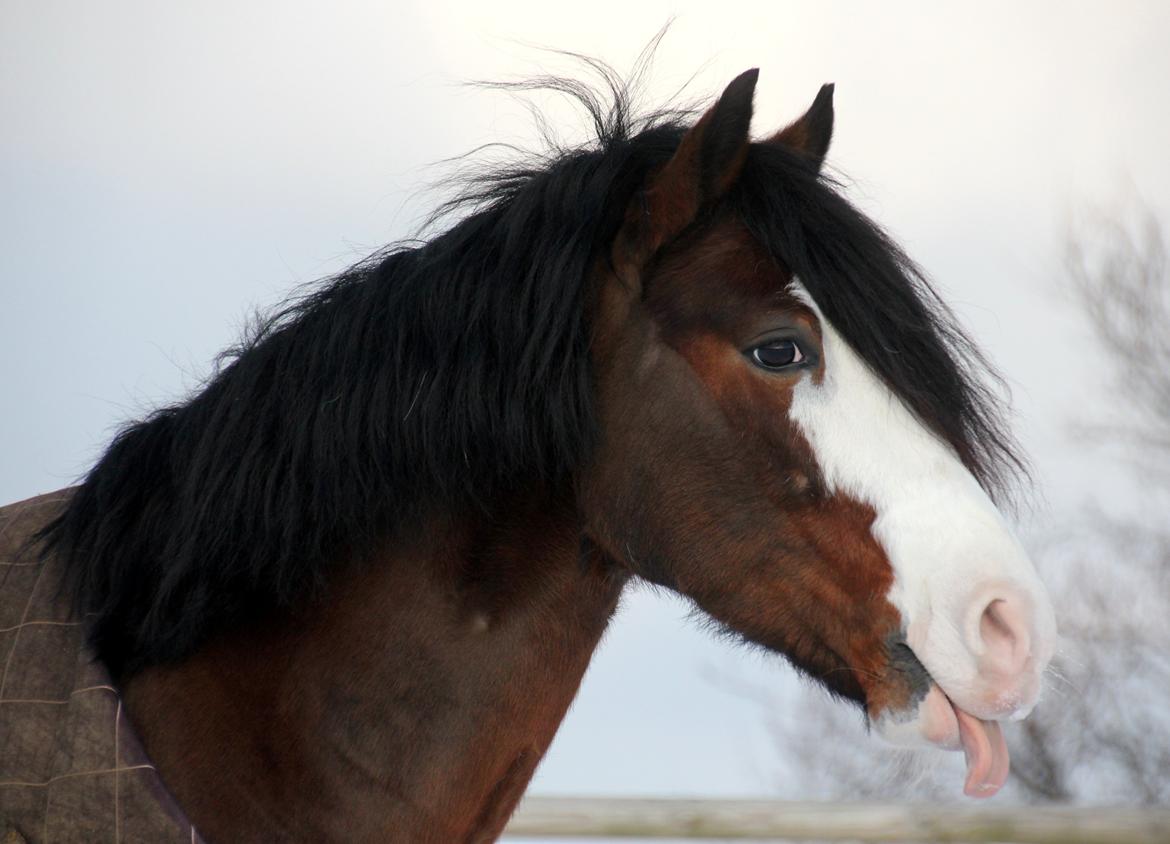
{"x":348,"y":590}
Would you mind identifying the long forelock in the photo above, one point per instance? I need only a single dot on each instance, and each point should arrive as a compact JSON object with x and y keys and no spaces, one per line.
{"x":884,"y":307}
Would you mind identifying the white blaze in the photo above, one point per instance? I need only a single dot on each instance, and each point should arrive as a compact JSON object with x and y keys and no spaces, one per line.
{"x":950,"y":549}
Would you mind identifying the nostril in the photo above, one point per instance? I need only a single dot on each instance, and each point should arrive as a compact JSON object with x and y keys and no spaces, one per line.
{"x":993,"y":626}
{"x":1003,"y":631}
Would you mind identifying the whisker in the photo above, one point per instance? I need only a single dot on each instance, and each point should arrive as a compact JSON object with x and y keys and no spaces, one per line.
{"x":1056,"y":675}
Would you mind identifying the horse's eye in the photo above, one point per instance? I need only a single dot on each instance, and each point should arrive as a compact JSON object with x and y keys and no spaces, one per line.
{"x":777,"y":354}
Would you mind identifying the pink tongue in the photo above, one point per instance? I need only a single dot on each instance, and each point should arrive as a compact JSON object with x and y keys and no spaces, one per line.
{"x":986,"y":752}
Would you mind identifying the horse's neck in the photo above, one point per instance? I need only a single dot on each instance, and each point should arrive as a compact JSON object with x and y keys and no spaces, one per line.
{"x":412,"y":704}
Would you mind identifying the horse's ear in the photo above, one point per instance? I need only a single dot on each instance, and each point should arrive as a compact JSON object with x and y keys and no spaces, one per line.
{"x":811,"y":133}
{"x":707,"y":162}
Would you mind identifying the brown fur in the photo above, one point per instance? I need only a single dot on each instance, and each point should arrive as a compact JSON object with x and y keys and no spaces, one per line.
{"x":412,"y":705}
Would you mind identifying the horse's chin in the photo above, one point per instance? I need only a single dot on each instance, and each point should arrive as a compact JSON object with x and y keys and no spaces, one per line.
{"x":938,"y":722}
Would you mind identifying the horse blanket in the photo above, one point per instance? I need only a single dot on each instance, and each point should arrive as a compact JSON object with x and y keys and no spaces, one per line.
{"x":71,"y":769}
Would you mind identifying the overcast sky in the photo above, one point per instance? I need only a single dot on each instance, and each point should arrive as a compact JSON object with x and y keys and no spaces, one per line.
{"x":164,"y":169}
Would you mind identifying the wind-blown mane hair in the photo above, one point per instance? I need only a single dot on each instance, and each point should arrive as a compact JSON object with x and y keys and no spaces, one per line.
{"x":444,"y":374}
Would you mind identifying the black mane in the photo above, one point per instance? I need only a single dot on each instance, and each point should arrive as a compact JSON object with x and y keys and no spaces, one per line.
{"x":448,"y":373}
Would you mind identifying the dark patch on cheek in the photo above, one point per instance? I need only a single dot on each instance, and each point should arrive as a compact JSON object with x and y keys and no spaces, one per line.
{"x":641,"y":496}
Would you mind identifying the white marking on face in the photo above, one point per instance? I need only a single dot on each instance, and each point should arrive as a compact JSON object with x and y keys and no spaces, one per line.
{"x":949,"y":547}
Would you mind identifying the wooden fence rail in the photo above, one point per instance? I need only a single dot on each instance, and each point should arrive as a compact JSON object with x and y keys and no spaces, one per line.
{"x":770,"y":820}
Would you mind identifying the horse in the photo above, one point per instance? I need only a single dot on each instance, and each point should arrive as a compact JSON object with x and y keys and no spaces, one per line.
{"x":347,"y":590}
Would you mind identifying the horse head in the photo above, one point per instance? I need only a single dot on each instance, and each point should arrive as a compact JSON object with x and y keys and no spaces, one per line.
{"x":794,"y":437}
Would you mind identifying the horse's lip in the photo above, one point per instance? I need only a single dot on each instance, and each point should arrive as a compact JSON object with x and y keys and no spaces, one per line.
{"x":980,"y":740}
{"x":906,"y":663}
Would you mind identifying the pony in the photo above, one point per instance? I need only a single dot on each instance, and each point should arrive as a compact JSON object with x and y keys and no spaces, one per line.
{"x":348,"y":589}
